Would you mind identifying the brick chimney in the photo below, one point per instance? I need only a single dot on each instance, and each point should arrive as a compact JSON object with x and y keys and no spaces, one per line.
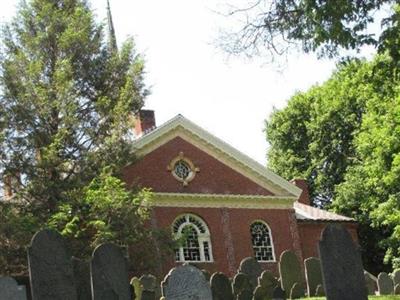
{"x":145,"y":122}
{"x":305,"y":196}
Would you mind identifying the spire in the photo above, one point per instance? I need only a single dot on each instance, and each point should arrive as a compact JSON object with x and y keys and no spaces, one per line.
{"x":112,"y":40}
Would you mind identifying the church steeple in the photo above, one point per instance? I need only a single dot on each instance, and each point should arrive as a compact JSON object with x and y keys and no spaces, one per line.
{"x":112,"y":40}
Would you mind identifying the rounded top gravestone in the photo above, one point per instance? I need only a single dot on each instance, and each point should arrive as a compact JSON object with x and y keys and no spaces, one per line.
{"x":186,"y":282}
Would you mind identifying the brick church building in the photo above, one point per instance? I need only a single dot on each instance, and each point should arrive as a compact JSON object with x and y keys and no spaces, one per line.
{"x":226,"y":205}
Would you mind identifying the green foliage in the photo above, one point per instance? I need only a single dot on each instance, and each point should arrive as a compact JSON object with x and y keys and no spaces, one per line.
{"x":325,"y":27}
{"x":66,"y":105}
{"x":343,"y":137}
{"x":65,"y":100}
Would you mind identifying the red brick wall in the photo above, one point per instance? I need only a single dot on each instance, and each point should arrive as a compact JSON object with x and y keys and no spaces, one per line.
{"x":214,"y":177}
{"x":310,"y":234}
{"x":227,"y":252}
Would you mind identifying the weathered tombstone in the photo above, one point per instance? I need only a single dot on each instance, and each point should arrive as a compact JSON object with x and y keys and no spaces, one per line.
{"x":342,"y":270}
{"x":50,"y":268}
{"x":312,"y":268}
{"x":241,"y":282}
{"x":397,"y":289}
{"x":267,"y":279}
{"x":266,"y":285}
{"x":289,"y":270}
{"x":319,"y":291}
{"x":109,"y":274}
{"x":186,"y":282}
{"x":82,"y":278}
{"x":137,"y":288}
{"x":251,"y":267}
{"x":149,"y":286}
{"x":278,"y":294}
{"x":221,"y":287}
{"x":370,"y":283}
{"x":396,"y":276}
{"x":297,"y":291}
{"x":245,"y":295}
{"x":206,"y":274}
{"x":385,"y":284}
{"x":9,"y":289}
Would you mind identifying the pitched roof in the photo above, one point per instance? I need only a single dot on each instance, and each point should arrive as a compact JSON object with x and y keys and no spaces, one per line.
{"x":180,"y":123}
{"x":309,"y":213}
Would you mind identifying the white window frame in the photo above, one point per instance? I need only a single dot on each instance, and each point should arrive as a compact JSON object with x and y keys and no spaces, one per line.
{"x":270,"y":238}
{"x":201,"y":237}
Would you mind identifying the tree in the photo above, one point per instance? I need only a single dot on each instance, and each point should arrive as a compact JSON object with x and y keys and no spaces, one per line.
{"x":334,"y":136}
{"x":326,"y":27}
{"x":66,"y":99}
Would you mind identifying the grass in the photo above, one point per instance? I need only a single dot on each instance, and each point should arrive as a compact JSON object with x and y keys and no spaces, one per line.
{"x":370,"y":297}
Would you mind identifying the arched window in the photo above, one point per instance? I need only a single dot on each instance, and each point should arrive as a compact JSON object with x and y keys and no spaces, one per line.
{"x":261,"y":239}
{"x":195,"y":239}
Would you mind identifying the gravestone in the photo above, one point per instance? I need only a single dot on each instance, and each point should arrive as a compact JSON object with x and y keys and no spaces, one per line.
{"x":109,"y":274}
{"x":221,"y":287}
{"x":9,"y":289}
{"x":266,"y":285}
{"x":396,"y":276}
{"x":397,"y":289}
{"x":342,"y":270}
{"x":296,"y":291}
{"x":206,"y":274}
{"x":319,"y":291}
{"x":241,"y":282}
{"x":370,"y":283}
{"x":313,"y":272}
{"x":185,"y":283}
{"x":82,"y":278}
{"x":251,"y":267}
{"x":245,"y":295}
{"x":50,"y":268}
{"x":385,"y":284}
{"x":278,"y":294}
{"x":137,"y":287}
{"x":289,"y":270}
{"x":149,"y":286}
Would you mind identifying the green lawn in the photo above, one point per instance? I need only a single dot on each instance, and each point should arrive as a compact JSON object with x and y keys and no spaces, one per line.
{"x":370,"y":297}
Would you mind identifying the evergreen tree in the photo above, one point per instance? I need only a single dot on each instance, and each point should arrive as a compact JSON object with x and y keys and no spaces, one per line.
{"x":66,"y":101}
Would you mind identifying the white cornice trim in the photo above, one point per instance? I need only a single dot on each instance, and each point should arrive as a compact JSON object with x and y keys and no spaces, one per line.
{"x":239,"y":157}
{"x":221,"y":201}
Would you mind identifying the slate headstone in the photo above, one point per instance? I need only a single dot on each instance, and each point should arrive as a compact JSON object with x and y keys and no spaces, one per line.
{"x":137,"y":287}
{"x":207,"y":274}
{"x":149,"y":285}
{"x":240,"y":283}
{"x":313,"y":272}
{"x":385,"y":284}
{"x":289,"y":270}
{"x":267,"y":279}
{"x":263,"y":293}
{"x":221,"y":287}
{"x":342,"y":270}
{"x":9,"y":289}
{"x":370,"y":283}
{"x":397,"y":289}
{"x":186,"y":282}
{"x":82,"y":278}
{"x":50,"y":268}
{"x":109,"y":274}
{"x":278,"y":294}
{"x":297,"y":291}
{"x":252,"y":268}
{"x":396,"y":276}
{"x":319,"y":291}
{"x":245,"y":295}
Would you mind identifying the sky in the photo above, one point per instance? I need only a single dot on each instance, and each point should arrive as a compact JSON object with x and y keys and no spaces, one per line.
{"x":229,"y":97}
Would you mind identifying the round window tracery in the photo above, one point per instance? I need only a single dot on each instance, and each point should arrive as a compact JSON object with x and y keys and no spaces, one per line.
{"x":183,"y":169}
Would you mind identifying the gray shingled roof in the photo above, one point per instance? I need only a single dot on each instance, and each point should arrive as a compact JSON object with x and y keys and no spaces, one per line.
{"x":308,"y":213}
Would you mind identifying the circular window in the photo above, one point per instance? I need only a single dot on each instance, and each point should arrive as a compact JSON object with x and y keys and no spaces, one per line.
{"x":182,"y":169}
